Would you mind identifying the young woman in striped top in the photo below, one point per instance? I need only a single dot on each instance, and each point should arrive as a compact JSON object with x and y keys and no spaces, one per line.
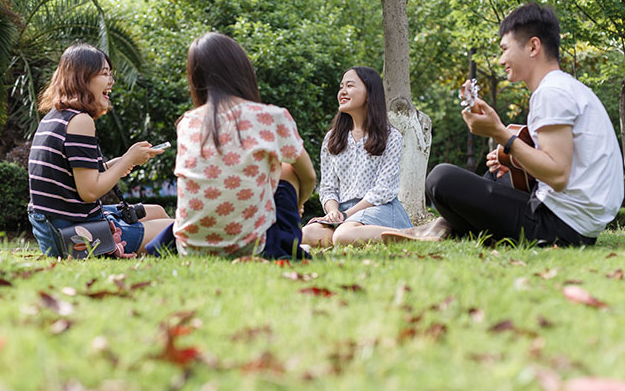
{"x":67,"y":174}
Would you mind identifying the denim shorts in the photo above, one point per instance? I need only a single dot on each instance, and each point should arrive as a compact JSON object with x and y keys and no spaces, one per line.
{"x":392,"y":215}
{"x":48,"y":239}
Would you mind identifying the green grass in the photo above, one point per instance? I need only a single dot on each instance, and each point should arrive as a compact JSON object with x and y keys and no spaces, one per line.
{"x":422,"y":320}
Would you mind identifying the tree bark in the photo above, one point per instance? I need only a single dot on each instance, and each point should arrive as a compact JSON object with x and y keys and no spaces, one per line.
{"x":621,"y":111}
{"x":415,"y":126}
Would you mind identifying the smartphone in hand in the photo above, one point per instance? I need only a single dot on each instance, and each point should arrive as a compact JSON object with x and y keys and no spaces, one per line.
{"x":164,"y":145}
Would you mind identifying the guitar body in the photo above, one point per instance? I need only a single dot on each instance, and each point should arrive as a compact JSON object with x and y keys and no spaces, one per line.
{"x":520,"y":179}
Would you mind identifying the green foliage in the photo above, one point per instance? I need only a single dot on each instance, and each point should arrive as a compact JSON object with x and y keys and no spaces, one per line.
{"x":13,"y":197}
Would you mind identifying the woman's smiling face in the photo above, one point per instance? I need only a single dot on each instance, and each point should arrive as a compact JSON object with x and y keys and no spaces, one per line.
{"x":352,"y":93}
{"x":100,"y":86}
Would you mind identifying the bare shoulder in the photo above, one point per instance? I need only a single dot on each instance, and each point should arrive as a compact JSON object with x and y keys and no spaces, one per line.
{"x":81,"y":124}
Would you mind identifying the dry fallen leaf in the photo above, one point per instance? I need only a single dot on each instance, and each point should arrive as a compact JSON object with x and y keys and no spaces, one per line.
{"x":547,"y":274}
{"x":4,"y":282}
{"x":317,"y":291}
{"x":504,"y":325}
{"x":578,"y":295}
{"x":476,"y":314}
{"x":62,"y":308}
{"x":267,"y":362}
{"x":517,"y":263}
{"x":615,"y":275}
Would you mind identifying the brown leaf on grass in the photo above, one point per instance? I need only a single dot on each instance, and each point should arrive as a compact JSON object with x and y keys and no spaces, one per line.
{"x":578,"y":295}
{"x":443,"y":305}
{"x":313,"y":290}
{"x":62,"y":308}
{"x":547,"y":274}
{"x":28,"y":273}
{"x":91,"y":282}
{"x":352,"y":288}
{"x":436,"y":331}
{"x":517,"y":263}
{"x":544,"y":323}
{"x":4,"y":282}
{"x":435,"y":256}
{"x":295,"y":276}
{"x":343,"y":353}
{"x":486,"y":358}
{"x":406,"y":334}
{"x":249,"y":258}
{"x":140,"y":285}
{"x":105,"y":293}
{"x":611,"y":255}
{"x":593,"y":384}
{"x":413,"y":318}
{"x":267,"y":362}
{"x":174,"y":327}
{"x":573,"y":282}
{"x":615,"y":275}
{"x":504,"y":325}
{"x":536,"y":347}
{"x":476,"y":314}
{"x":249,"y":334}
{"x":60,"y":326}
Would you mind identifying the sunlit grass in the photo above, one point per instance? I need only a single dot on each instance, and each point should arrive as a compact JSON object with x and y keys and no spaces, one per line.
{"x":398,"y":317}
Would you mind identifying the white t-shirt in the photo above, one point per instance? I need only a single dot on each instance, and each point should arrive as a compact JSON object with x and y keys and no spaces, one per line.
{"x":594,"y":191}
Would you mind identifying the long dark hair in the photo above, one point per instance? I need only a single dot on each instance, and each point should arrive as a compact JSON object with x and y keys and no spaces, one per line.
{"x":68,"y":88}
{"x":376,"y":123}
{"x":217,"y":70}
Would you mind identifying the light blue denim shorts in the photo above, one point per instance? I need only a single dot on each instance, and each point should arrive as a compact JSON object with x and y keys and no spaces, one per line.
{"x":392,"y":215}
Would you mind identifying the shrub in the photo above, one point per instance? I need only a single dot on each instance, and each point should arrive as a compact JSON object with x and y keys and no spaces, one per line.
{"x":13,"y":197}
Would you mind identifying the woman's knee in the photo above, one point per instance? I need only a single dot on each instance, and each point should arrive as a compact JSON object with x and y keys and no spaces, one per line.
{"x":154,"y":211}
{"x":316,"y":235}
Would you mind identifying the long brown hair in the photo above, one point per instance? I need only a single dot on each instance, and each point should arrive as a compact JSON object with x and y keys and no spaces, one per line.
{"x":376,"y":124}
{"x":218,"y":69}
{"x":68,"y":88}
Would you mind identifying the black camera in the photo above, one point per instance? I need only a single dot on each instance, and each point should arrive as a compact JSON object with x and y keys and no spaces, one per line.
{"x":131,"y":213}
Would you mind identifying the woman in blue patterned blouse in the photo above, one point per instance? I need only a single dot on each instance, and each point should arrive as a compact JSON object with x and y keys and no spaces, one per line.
{"x":359,"y":167}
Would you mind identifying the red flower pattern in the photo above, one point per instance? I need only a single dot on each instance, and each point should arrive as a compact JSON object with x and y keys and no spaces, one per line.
{"x":264,"y":118}
{"x":282,"y":130}
{"x":233,"y":228}
{"x":244,"y":125}
{"x":248,"y":143}
{"x":224,"y":138}
{"x":190,"y":162}
{"x":225,"y":208}
{"x":251,"y":170}
{"x":196,"y":137}
{"x":213,"y":238}
{"x":232,"y":182}
{"x":261,"y":180}
{"x":245,"y":194}
{"x":289,"y":152}
{"x":212,"y":193}
{"x":267,"y":135}
{"x":231,"y":158}
{"x":261,"y":220}
{"x":259,"y":155}
{"x":191,"y":228}
{"x":250,"y":211}
{"x":208,"y":221}
{"x":192,"y":186}
{"x":196,"y":204}
{"x":212,"y":171}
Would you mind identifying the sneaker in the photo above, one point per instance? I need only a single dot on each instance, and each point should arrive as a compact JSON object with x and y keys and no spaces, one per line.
{"x":434,"y":231}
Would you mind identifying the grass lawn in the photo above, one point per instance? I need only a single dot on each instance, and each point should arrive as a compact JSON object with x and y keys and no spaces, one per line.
{"x":456,"y":315}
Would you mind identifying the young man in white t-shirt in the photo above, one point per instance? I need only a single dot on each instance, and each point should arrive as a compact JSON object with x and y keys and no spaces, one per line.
{"x":576,"y":159}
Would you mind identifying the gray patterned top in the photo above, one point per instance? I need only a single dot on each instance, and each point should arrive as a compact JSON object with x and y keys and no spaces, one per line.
{"x":354,"y":173}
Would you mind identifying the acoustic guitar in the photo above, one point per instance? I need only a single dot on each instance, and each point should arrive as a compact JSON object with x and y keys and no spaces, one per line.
{"x":519,"y":178}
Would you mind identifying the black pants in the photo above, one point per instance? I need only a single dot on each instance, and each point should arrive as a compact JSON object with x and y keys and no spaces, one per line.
{"x":471,"y":203}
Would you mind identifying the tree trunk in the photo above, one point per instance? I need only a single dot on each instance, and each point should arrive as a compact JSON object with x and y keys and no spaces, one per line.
{"x":621,"y":111}
{"x":415,"y":126}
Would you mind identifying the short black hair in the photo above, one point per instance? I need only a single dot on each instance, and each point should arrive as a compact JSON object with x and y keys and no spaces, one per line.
{"x":533,"y":20}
